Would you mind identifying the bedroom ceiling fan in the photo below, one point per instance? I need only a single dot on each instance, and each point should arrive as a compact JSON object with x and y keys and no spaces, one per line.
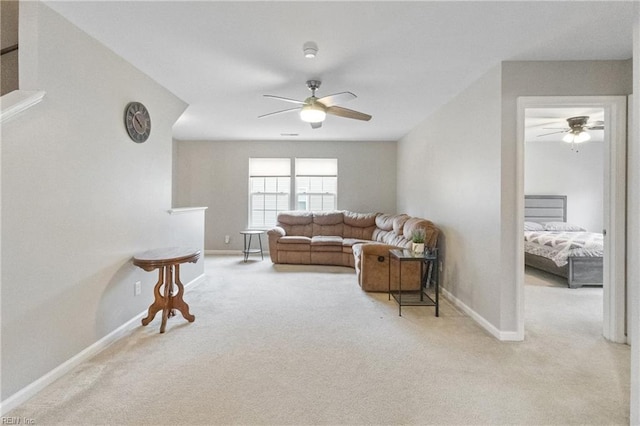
{"x":314,"y":110}
{"x":577,"y":130}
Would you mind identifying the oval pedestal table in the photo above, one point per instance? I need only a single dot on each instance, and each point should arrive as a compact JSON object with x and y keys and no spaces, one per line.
{"x":167,"y":261}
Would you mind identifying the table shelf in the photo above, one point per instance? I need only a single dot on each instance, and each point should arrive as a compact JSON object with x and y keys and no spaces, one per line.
{"x":412,"y":298}
{"x":246,"y":249}
{"x":427,"y":278}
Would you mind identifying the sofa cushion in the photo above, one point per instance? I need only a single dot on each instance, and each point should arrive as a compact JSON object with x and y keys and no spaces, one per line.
{"x":328,"y":218}
{"x":359,"y":225}
{"x":431,"y":236}
{"x":348,"y":242}
{"x":361,"y":220}
{"x":326,"y":243}
{"x":294,"y":239}
{"x":323,"y":240}
{"x":297,"y":217}
{"x":328,"y":223}
{"x":384,"y":222}
{"x":398,"y":223}
{"x":296,"y":223}
{"x":391,"y":238}
{"x":293,"y":243}
{"x":411,"y":225}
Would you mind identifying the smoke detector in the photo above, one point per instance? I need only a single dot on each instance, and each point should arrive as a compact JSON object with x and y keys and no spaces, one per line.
{"x":310,"y":49}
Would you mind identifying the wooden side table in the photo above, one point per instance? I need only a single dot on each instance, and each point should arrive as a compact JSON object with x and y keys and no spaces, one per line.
{"x":167,"y":261}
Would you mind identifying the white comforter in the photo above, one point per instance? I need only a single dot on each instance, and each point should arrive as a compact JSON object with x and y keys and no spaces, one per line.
{"x":559,"y":246}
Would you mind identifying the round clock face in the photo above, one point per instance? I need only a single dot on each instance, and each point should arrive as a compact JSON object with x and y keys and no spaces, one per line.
{"x":137,"y":121}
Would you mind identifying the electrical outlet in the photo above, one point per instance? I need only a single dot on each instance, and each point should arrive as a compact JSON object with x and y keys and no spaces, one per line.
{"x":227,"y":239}
{"x":137,"y":288}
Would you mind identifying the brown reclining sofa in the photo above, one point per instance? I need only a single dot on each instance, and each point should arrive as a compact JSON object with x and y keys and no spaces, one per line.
{"x":359,"y":240}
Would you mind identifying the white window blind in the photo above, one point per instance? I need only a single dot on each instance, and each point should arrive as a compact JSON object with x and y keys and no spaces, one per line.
{"x":316,"y":183}
{"x":269,"y":167}
{"x":269,"y":190}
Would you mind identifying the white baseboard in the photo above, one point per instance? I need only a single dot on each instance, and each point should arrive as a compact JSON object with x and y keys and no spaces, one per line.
{"x":38,"y":385}
{"x":233,"y":252}
{"x":505,"y":336}
{"x":224,"y":252}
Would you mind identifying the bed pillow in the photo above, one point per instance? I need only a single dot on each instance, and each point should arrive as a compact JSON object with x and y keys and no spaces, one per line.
{"x":563,"y":226}
{"x":533,"y":226}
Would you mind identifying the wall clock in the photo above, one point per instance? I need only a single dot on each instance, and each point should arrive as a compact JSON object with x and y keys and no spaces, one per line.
{"x":137,"y":121}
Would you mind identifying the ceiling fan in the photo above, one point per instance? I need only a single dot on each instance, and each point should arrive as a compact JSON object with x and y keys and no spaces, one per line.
{"x":314,"y":110}
{"x":577,"y":130}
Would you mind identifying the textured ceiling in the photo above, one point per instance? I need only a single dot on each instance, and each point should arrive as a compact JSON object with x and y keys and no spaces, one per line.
{"x":402,"y":59}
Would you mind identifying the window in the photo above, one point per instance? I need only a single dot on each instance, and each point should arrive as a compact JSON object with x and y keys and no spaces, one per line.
{"x":269,"y":190}
{"x":316,"y":187}
{"x":316,"y":183}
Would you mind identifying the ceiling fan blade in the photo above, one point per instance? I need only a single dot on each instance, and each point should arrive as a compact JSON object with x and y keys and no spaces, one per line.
{"x":316,"y":125}
{"x":337,"y":98}
{"x":279,"y":112}
{"x":285,"y":99}
{"x":595,"y":125}
{"x":348,"y":113}
{"x":553,"y":133}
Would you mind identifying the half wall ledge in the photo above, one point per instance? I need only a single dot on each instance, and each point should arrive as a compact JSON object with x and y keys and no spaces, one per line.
{"x":183,"y":210}
{"x":13,"y":103}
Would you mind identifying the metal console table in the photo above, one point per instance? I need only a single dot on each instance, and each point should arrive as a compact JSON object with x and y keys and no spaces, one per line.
{"x":247,"y":250}
{"x":428,"y":277}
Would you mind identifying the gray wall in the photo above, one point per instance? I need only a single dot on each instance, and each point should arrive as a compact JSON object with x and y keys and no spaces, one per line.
{"x":79,"y":198}
{"x":471,"y":169}
{"x":553,"y":168}
{"x":457,"y":153}
{"x":215,"y":174}
{"x":8,"y":38}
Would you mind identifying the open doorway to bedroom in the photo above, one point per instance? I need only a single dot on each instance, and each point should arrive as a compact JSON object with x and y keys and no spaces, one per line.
{"x":564,"y":161}
{"x":589,"y":178}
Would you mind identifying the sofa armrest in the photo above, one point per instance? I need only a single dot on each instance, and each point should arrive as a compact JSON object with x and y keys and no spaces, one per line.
{"x":374,"y":269}
{"x":274,"y":235}
{"x":377,"y":249}
{"x":371,"y":263}
{"x":276,"y":232}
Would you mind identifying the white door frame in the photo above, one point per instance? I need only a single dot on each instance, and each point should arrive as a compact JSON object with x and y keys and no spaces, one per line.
{"x":614,"y":192}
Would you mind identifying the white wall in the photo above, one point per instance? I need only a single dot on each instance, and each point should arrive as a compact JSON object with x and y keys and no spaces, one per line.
{"x":216,"y":174}
{"x":449,"y":172}
{"x":552,"y":168}
{"x":633,"y":224}
{"x":79,"y":198}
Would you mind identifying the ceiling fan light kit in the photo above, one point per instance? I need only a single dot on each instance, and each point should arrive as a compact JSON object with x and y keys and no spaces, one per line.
{"x":313,"y":113}
{"x":576,"y":137}
{"x":577,"y":134}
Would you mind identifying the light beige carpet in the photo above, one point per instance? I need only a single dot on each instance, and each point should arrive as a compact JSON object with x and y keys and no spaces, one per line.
{"x":304,"y":345}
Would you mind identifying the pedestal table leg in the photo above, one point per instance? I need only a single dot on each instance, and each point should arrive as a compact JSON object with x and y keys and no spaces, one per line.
{"x":158,"y":301}
{"x":177,"y":300}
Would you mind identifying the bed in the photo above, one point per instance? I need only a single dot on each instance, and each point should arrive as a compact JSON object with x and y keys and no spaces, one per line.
{"x":558,"y":247}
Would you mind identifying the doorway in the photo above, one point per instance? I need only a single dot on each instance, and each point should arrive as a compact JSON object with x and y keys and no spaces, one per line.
{"x":613,"y":198}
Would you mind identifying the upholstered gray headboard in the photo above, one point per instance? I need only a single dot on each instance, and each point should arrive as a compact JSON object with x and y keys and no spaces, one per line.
{"x":545,"y":208}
